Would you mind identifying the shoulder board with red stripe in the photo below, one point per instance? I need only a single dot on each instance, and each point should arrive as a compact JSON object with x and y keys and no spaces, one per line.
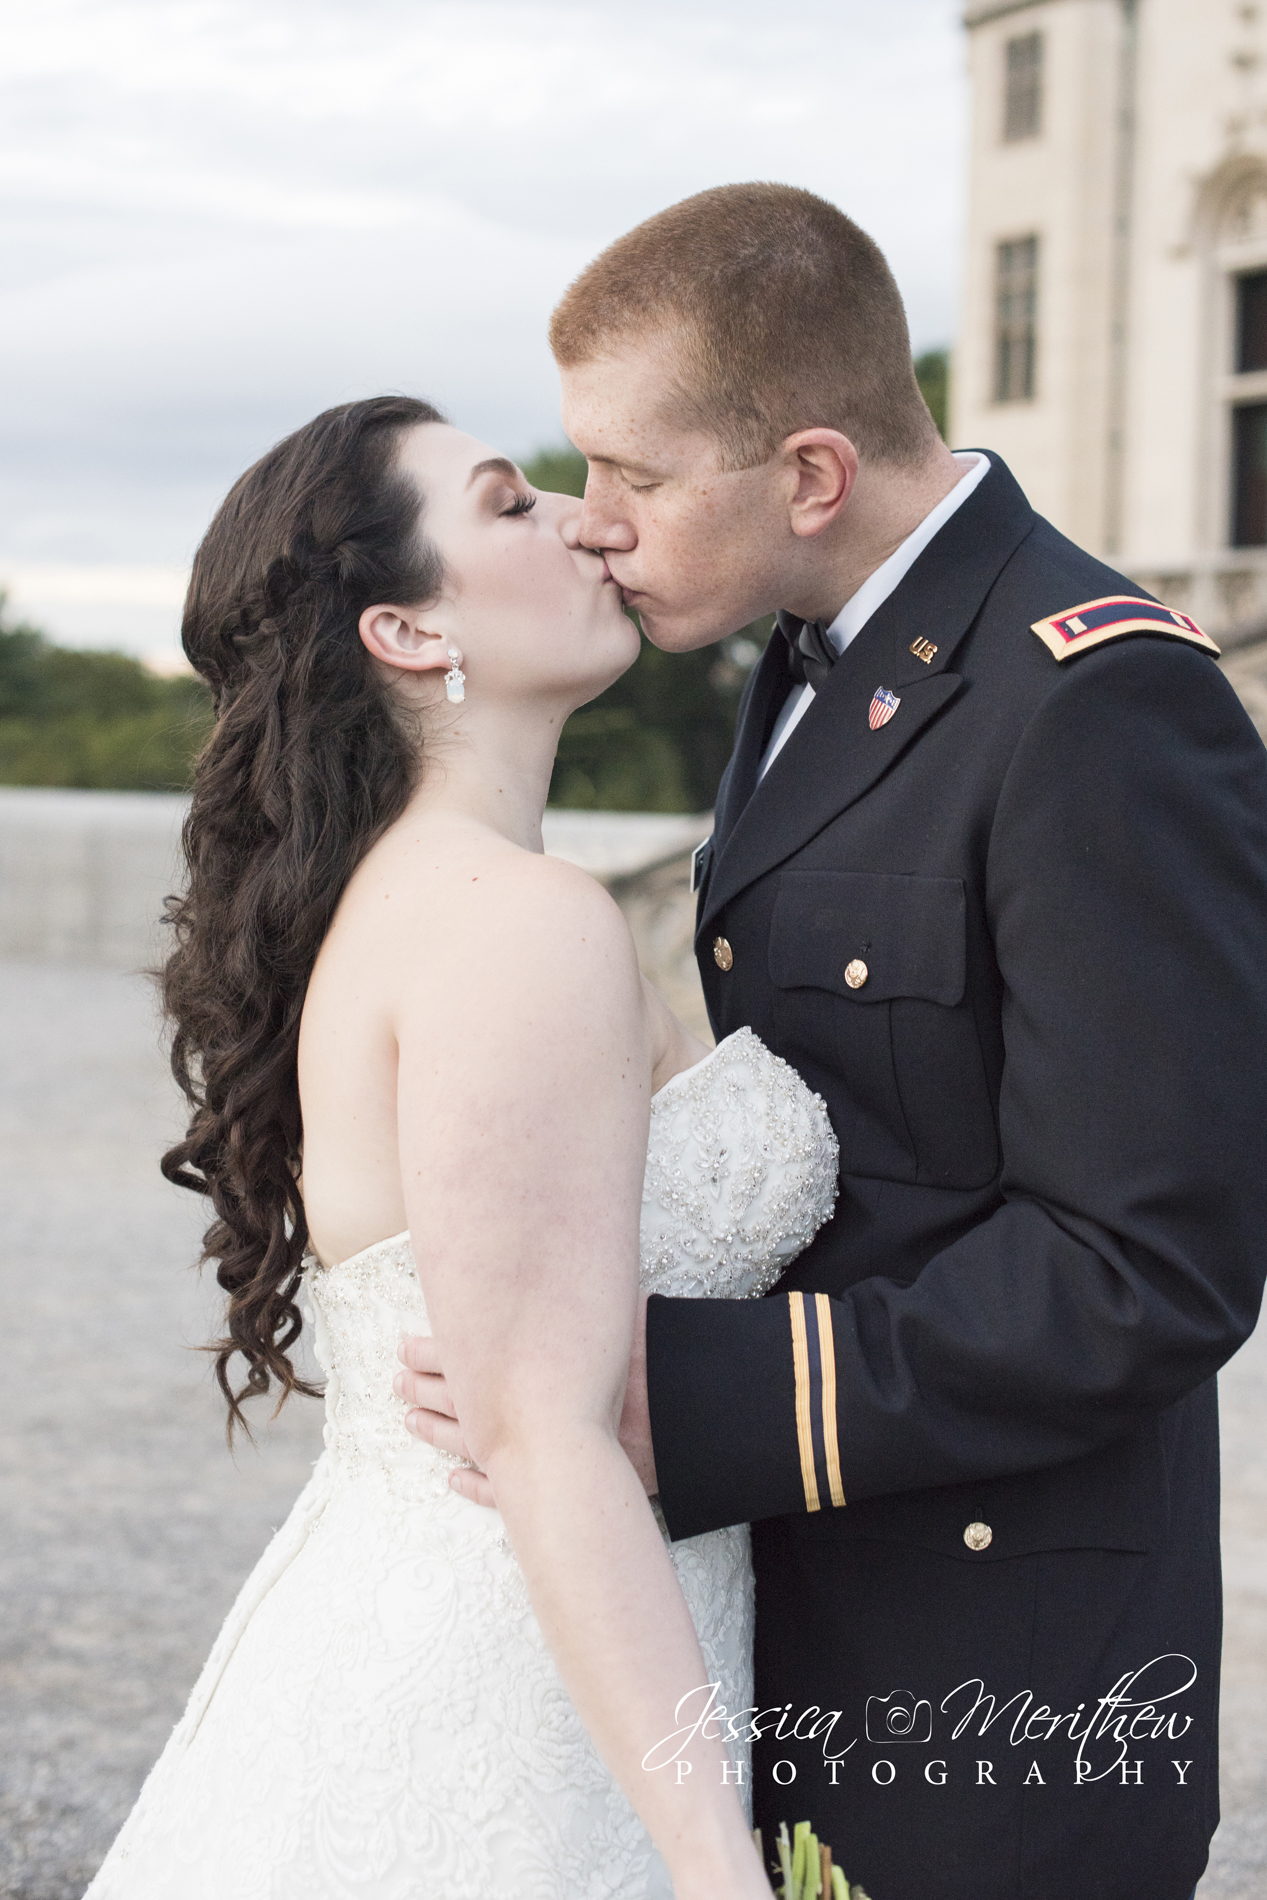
{"x":1096,"y":621}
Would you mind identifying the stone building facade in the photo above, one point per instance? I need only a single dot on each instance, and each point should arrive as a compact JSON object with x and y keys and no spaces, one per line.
{"x":1113,"y":341}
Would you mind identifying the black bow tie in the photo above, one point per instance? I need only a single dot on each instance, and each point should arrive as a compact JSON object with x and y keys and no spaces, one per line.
{"x":811,"y":655}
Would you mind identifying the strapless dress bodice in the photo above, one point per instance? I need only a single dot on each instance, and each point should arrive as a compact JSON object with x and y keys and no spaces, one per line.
{"x":741,"y":1173}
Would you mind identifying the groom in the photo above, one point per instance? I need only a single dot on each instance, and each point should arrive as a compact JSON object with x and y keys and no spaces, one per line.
{"x":990,"y":870}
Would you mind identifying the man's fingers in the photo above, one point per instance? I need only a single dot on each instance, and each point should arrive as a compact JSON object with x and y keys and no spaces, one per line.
{"x":435,"y":1429}
{"x":420,"y":1354}
{"x":425,"y":1389}
{"x":432,"y":1415}
{"x":475,"y":1486}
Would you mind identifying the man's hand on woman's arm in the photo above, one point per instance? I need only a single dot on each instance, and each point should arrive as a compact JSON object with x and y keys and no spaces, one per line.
{"x":434,"y":1418}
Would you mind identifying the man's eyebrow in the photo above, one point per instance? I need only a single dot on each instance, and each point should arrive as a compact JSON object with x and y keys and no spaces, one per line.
{"x":495,"y":465}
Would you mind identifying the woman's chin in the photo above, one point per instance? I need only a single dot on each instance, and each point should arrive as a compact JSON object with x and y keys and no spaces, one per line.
{"x":631,"y":649}
{"x":607,"y":656}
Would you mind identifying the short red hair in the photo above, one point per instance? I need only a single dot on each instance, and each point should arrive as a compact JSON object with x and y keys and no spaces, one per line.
{"x":780,"y":312}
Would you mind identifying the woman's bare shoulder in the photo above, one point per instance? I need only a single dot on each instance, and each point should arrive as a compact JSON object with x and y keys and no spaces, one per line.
{"x":436,"y":878}
{"x":563,"y":926}
{"x":482,"y":914}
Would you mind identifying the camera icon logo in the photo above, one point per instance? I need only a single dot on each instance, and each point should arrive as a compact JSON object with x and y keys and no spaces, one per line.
{"x":898,"y":1717}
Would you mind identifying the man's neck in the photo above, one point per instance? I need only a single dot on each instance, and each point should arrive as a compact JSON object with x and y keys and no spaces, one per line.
{"x":887,"y":505}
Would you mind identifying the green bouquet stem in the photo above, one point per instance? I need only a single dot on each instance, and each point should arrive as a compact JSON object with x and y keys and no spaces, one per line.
{"x":806,"y":1867}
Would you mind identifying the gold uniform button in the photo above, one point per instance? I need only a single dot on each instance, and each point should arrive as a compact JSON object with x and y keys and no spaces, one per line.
{"x":723,"y":955}
{"x":856,"y":973}
{"x":978,"y":1537}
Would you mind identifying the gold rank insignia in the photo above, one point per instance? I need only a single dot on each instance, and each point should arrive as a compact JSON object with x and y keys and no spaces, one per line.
{"x":814,"y":1375}
{"x":1096,"y":621}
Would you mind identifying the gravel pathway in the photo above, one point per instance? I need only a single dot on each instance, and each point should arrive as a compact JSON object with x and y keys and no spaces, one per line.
{"x":128,"y":1528}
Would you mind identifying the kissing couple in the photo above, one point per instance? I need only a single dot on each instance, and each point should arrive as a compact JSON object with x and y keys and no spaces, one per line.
{"x":866,"y":1356}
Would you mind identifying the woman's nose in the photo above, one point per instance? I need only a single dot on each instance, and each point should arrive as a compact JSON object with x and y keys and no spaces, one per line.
{"x":570,"y":522}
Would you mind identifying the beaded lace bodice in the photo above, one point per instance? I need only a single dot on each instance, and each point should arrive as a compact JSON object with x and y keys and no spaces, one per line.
{"x":741,"y":1174}
{"x":380,"y":1715}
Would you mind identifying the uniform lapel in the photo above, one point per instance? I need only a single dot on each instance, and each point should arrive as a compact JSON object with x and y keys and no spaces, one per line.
{"x":834,"y":756}
{"x":765,"y":692}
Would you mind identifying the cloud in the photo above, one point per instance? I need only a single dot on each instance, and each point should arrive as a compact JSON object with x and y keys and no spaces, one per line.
{"x":220,"y":216}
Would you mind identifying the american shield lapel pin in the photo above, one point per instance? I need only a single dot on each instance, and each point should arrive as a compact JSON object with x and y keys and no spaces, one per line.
{"x":883,"y":707}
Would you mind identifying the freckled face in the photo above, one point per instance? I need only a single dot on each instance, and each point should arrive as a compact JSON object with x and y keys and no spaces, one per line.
{"x":534,"y":612}
{"x":699,"y":550}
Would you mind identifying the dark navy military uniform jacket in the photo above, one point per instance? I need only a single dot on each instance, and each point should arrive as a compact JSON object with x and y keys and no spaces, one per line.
{"x":982,"y":1468}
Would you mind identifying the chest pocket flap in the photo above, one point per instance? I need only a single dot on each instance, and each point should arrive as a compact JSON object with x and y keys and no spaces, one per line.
{"x":896,"y":936}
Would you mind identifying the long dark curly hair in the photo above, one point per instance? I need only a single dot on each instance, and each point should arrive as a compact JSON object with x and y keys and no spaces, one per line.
{"x":309,"y":761}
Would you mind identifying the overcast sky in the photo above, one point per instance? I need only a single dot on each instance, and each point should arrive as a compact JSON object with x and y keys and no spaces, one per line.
{"x":221,"y":216}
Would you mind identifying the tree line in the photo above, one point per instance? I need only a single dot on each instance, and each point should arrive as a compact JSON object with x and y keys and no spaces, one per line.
{"x":92,"y":719}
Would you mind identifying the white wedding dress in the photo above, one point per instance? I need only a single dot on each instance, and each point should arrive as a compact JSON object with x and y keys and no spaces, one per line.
{"x":379,"y":1717}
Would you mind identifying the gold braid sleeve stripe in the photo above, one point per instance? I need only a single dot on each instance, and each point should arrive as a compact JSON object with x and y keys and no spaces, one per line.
{"x":827,"y":1359}
{"x":804,"y":1428}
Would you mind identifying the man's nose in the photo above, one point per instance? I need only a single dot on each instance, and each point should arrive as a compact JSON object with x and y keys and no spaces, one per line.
{"x":602,"y":526}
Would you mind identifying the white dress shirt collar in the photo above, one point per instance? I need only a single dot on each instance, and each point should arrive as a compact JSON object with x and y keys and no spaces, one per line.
{"x":877,"y":587}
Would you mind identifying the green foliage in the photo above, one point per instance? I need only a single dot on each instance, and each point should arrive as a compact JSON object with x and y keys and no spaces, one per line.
{"x":657,"y":740}
{"x":96,"y":720}
{"x":932,"y":373}
{"x":558,"y":471}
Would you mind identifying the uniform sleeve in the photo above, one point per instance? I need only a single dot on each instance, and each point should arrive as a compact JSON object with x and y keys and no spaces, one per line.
{"x":1126,"y":893}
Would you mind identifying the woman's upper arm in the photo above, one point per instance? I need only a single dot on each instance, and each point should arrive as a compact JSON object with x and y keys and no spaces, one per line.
{"x":523,"y":1103}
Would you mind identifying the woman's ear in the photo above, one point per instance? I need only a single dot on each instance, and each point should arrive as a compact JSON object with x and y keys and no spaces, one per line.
{"x":398,"y":638}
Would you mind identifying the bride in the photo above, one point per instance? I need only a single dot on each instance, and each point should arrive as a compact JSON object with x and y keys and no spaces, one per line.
{"x":380,"y":980}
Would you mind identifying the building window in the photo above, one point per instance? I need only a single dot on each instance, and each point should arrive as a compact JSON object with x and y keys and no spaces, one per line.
{"x":1016,"y":320}
{"x":1249,"y":475}
{"x":1251,"y":322}
{"x":1023,"y":87}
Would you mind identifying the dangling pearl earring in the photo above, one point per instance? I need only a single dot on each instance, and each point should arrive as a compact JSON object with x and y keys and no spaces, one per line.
{"x":455,"y":679}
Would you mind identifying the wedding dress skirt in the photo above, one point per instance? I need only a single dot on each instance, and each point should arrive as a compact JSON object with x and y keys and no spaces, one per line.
{"x":380,"y":1717}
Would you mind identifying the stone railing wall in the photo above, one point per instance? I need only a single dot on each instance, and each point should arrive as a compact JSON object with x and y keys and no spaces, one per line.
{"x":83,"y":876}
{"x":1225,"y":593}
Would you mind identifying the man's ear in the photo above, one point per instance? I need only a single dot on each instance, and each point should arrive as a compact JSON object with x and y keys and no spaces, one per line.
{"x":823,"y":466}
{"x":397,"y":637}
